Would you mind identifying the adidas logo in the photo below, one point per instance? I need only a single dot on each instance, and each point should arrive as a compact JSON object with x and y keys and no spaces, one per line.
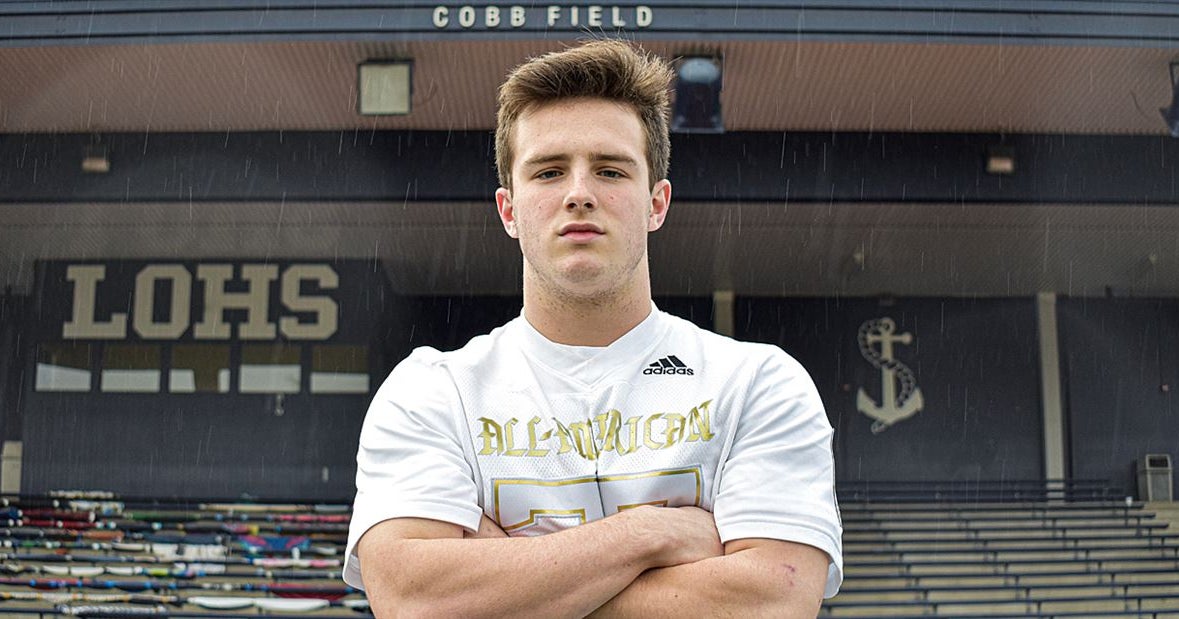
{"x":670,"y":364}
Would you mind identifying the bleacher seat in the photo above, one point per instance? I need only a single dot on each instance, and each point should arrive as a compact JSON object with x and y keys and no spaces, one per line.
{"x":77,"y":556}
{"x":911,"y":552}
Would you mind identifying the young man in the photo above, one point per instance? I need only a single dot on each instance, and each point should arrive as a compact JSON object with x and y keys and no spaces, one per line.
{"x":594,"y":456}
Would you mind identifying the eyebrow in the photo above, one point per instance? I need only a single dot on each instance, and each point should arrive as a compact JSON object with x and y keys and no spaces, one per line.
{"x":594,"y":157}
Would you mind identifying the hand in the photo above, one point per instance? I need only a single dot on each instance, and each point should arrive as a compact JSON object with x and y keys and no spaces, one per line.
{"x":487,"y":529}
{"x":685,"y":534}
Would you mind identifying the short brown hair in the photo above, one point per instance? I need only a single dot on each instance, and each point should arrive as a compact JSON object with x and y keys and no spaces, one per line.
{"x":607,"y":69}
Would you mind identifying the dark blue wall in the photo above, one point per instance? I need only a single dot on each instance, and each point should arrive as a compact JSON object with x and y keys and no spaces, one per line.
{"x":975,"y":361}
{"x":202,"y":444}
{"x":1120,"y":361}
{"x":13,"y":312}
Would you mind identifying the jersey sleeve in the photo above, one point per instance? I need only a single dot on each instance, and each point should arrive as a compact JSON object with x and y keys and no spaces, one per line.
{"x":778,"y":478}
{"x":411,"y":462}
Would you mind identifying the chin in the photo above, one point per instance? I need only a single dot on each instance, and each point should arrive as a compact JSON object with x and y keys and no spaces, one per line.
{"x":587,"y":283}
{"x":581,"y":277}
{"x":584,"y":281}
{"x":580,"y":269}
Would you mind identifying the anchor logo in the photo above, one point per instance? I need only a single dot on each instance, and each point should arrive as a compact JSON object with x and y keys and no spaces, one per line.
{"x":894,"y":407}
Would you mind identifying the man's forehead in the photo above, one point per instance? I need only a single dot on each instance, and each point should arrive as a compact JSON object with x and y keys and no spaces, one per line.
{"x":557,"y":113}
{"x":575,"y":102}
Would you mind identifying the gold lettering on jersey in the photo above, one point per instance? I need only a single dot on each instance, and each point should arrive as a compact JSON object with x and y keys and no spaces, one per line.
{"x":533,"y":452}
{"x":583,"y":439}
{"x":675,"y":428}
{"x":610,"y":433}
{"x":699,"y":425}
{"x":500,"y":439}
{"x":509,"y":440}
{"x":492,"y":436}
{"x":647,"y":433}
{"x":563,"y":435}
{"x":632,"y":430}
{"x":605,"y":433}
{"x":608,"y":424}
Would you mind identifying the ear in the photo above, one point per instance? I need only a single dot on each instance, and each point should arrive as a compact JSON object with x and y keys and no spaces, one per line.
{"x":507,"y":216}
{"x":660,"y":202}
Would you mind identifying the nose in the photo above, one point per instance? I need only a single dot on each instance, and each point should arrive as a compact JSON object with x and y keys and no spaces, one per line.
{"x":580,"y":193}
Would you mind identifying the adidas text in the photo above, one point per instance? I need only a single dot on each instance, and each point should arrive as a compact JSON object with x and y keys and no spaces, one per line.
{"x":687,"y":371}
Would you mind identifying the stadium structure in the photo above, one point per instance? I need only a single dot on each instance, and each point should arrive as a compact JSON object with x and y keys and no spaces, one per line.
{"x":222,"y":223}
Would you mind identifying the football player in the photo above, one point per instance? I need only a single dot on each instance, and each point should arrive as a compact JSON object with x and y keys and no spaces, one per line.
{"x":594,"y":456}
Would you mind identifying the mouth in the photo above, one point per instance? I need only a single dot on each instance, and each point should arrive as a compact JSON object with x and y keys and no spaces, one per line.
{"x":580,"y":232}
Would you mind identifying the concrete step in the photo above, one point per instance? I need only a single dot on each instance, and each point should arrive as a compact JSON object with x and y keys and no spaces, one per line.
{"x":1009,"y":561}
{"x":852,"y":546}
{"x":966,"y":595}
{"x":1165,"y":511}
{"x":1106,"y":615}
{"x":875,"y":611}
{"x":953,"y":608}
{"x":1002,"y":534}
{"x":887,"y":571}
{"x":875,"y":582}
{"x":875,"y":595}
{"x":1015,"y":556}
{"x":996,"y":569}
{"x":967,"y":581}
{"x":1008,"y":523}
{"x":1040,"y":608}
{"x":1161,"y":604}
{"x":976,"y":506}
{"x":974,"y":591}
{"x":954,"y":514}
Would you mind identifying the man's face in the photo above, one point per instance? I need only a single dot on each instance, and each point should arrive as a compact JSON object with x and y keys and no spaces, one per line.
{"x":581,"y":203}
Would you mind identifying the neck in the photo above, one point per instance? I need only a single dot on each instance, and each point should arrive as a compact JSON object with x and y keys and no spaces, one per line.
{"x":586,"y":321}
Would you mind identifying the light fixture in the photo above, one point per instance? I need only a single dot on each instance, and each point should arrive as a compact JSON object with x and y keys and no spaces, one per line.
{"x":1001,"y":160}
{"x":697,"y":96}
{"x":96,"y":159}
{"x":1171,"y":114}
{"x":384,"y":87}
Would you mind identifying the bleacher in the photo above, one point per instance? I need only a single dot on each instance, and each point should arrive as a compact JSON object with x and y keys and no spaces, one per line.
{"x":1003,"y":549}
{"x":94,"y":555}
{"x":983,"y":549}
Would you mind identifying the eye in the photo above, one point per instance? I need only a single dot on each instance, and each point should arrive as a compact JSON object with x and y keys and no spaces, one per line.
{"x":547,"y":174}
{"x":612,"y":174}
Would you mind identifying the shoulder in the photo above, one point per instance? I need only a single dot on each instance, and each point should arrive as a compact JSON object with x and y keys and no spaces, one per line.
{"x":421,"y":365}
{"x":427,"y":367}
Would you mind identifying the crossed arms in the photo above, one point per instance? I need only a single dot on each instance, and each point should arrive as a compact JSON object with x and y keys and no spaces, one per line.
{"x":647,"y":561}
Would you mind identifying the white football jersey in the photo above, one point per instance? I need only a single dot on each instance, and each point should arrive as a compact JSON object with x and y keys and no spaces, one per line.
{"x":541,"y":436}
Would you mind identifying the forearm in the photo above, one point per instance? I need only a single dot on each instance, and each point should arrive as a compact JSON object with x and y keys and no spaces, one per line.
{"x":566,"y":574}
{"x":753,"y":582}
